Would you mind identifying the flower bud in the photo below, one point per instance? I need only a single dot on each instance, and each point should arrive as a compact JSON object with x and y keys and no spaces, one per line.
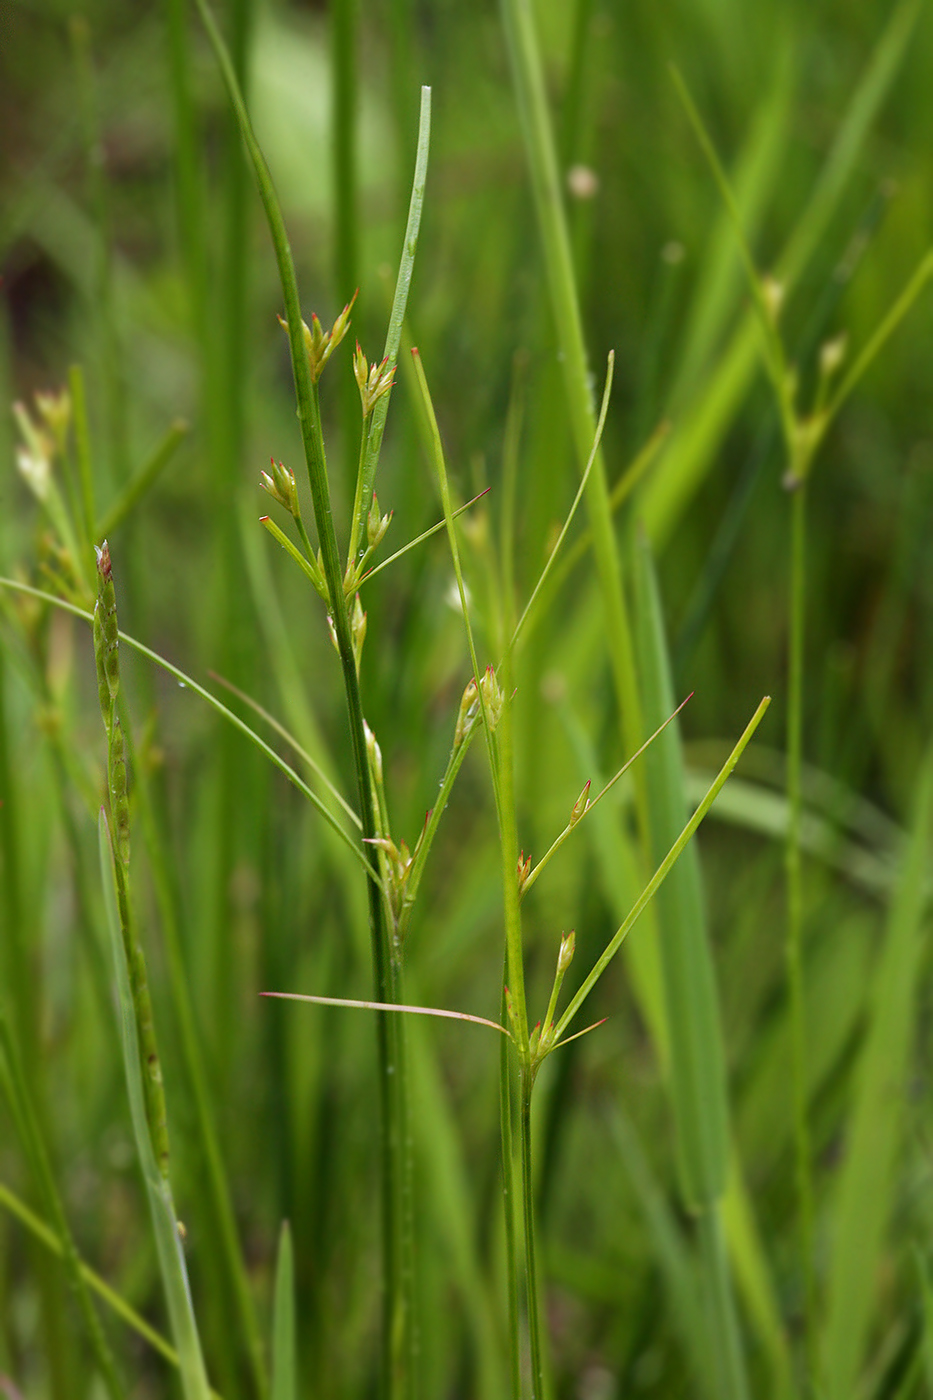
{"x":376,"y":525}
{"x":320,"y":344}
{"x":374,"y":753}
{"x":580,"y":806}
{"x":524,"y":870}
{"x":281,"y":486}
{"x":357,"y":630}
{"x":492,"y":697}
{"x":372,"y":380}
{"x":565,"y":956}
{"x":469,"y":708}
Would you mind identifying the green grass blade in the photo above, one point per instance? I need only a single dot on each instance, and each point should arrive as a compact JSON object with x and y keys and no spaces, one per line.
{"x":662,"y":872}
{"x":396,"y":318}
{"x":22,"y":1110}
{"x":165,"y":1226}
{"x":753,"y":1277}
{"x":697,"y":1067}
{"x":671,"y":1250}
{"x":528,"y":80}
{"x":139,"y":484}
{"x":284,"y":1359}
{"x":697,"y":1060}
{"x":864,"y":1201}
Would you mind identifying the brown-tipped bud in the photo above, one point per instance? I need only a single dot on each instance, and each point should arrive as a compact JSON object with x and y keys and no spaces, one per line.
{"x":492,"y":697}
{"x":374,"y":753}
{"x":534,"y":1038}
{"x":320,"y":344}
{"x":342,"y":324}
{"x":524,"y":870}
{"x":376,"y":524}
{"x":565,"y":956}
{"x":580,"y":806}
{"x":469,"y":709}
{"x":360,"y":367}
{"x":280,"y":485}
{"x":373,"y":381}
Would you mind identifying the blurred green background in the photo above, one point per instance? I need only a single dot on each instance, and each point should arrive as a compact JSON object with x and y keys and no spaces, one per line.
{"x":132,"y":243}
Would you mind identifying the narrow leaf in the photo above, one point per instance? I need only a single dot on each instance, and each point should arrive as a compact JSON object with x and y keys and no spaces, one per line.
{"x":865,"y":1195}
{"x":165,"y":1225}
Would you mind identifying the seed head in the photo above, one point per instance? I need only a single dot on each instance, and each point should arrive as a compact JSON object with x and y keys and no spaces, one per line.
{"x":280,"y":485}
{"x":565,"y":956}
{"x":376,"y":524}
{"x":373,"y":380}
{"x":321,"y":344}
{"x":469,"y":708}
{"x":492,"y":697}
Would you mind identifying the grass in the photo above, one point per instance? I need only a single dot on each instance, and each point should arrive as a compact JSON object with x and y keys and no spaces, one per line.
{"x":721,"y":1190}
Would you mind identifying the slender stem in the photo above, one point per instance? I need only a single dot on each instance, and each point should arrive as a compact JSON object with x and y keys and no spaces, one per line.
{"x":343,"y":43}
{"x":508,"y":1206}
{"x":398,"y":1316}
{"x":376,"y":424}
{"x":531,"y":1273}
{"x":793,"y":950}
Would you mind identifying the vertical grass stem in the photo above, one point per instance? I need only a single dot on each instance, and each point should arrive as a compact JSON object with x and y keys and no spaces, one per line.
{"x":793,"y":948}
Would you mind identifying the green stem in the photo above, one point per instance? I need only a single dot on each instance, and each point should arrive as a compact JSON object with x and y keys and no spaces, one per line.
{"x":399,"y":1291}
{"x":508,"y":1206}
{"x":793,"y":948}
{"x":376,"y":425}
{"x":531,"y":1272}
{"x":344,"y":24}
